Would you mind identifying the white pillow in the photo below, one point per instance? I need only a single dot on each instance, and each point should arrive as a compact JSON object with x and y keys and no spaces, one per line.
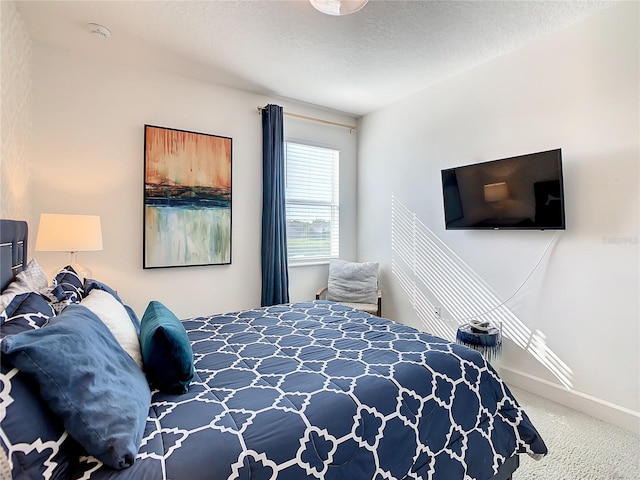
{"x":353,"y":282}
{"x":31,"y":279}
{"x":115,"y":317}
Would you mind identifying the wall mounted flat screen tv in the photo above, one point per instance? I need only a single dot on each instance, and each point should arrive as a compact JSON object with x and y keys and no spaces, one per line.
{"x":517,"y":193}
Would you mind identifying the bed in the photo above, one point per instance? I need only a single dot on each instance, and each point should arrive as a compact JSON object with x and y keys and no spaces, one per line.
{"x":302,"y":390}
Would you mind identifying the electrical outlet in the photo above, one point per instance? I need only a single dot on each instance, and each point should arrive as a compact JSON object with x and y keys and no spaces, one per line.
{"x":438,"y":311}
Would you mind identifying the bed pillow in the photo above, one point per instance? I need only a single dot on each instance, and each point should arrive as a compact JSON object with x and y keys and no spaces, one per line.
{"x":67,"y":287}
{"x":115,"y":317}
{"x":32,"y":434}
{"x":35,"y":437}
{"x":27,"y":311}
{"x":166,"y":351}
{"x":31,"y":279}
{"x":88,"y":380}
{"x":352,"y":282}
{"x":91,"y":284}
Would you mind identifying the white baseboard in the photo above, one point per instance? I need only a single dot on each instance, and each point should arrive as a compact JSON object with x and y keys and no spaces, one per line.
{"x":596,"y":407}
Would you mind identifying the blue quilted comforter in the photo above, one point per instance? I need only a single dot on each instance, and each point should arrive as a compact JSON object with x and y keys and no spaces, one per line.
{"x":318,"y":390}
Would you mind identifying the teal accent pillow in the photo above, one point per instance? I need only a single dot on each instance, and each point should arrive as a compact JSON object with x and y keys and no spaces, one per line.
{"x":166,"y":351}
{"x":88,"y":380}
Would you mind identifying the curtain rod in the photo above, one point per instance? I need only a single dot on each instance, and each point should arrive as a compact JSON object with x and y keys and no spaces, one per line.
{"x":319,"y":120}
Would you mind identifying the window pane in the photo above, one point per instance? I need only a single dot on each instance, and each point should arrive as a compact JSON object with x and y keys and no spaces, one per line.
{"x":311,"y":193}
{"x":309,"y":231}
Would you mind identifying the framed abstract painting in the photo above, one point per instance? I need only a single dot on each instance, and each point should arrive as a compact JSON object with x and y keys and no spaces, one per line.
{"x":187,"y":198}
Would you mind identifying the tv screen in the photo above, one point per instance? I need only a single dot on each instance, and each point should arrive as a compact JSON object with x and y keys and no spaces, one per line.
{"x":516,"y":193}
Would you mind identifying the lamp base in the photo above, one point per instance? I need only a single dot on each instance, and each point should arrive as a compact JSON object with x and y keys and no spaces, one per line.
{"x":82,"y":271}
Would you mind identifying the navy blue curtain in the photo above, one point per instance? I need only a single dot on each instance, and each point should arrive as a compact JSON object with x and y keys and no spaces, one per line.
{"x":275,"y":275}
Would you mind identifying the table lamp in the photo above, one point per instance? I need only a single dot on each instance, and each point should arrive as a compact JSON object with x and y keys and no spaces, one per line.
{"x":69,"y":233}
{"x":495,"y":192}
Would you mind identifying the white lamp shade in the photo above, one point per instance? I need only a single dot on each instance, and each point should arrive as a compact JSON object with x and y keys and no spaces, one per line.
{"x":68,"y":233}
{"x":494,"y":192}
{"x":338,"y":7}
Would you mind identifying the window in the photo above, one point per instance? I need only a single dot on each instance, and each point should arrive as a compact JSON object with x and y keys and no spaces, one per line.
{"x":311,"y":197}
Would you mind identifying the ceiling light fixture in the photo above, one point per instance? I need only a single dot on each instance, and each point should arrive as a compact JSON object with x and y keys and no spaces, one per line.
{"x":98,"y":30}
{"x":338,"y":7}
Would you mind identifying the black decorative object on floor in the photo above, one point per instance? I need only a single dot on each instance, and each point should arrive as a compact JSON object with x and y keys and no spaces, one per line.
{"x":488,"y":342}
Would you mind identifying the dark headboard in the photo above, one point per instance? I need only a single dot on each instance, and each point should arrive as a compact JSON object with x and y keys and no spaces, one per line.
{"x":13,"y":249}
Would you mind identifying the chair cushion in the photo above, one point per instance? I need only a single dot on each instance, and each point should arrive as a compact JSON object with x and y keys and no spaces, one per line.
{"x":353,"y":282}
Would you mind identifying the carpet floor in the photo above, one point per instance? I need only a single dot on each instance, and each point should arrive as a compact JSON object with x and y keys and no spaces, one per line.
{"x":580,"y":447}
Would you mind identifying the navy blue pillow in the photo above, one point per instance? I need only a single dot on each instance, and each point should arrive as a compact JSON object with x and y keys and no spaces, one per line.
{"x":39,"y":445}
{"x":27,"y":311}
{"x":67,"y":287}
{"x":166,"y":351}
{"x":88,"y":380}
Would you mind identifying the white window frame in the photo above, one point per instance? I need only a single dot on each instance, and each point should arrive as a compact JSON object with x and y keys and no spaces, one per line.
{"x":327,"y":160}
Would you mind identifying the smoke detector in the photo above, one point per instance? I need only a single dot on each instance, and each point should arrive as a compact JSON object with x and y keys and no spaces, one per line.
{"x":338,"y":7}
{"x":99,"y":31}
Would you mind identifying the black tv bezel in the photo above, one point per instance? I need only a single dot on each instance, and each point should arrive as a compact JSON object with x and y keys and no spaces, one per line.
{"x":563,"y":225}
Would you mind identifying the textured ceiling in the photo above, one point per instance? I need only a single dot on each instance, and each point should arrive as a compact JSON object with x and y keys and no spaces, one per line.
{"x":354,"y":64}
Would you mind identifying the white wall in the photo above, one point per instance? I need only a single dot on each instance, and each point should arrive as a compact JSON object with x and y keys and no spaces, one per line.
{"x":16,"y":116}
{"x":88,"y":156}
{"x":573,"y":327}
